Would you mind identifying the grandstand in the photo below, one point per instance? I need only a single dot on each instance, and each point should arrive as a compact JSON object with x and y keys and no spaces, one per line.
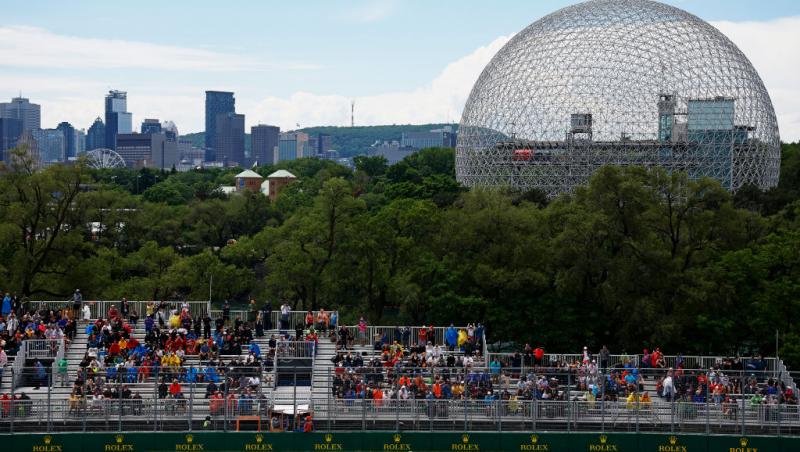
{"x":300,"y":371}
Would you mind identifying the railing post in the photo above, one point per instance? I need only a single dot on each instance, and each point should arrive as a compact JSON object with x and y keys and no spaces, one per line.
{"x":49,"y":404}
{"x":567,"y":394}
{"x":397,"y":412}
{"x":119,"y":404}
{"x":191,"y":404}
{"x":602,"y":403}
{"x":744,"y":404}
{"x":637,"y":396}
{"x":672,"y":407}
{"x":330,"y":395}
{"x":155,"y":400}
{"x":535,"y":411}
{"x":13,"y":408}
{"x":708,"y":409}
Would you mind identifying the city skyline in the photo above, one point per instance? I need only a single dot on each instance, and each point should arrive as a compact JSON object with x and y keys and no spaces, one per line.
{"x":309,"y":78}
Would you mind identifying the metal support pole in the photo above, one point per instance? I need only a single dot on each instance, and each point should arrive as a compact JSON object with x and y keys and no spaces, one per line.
{"x":328,"y":411}
{"x":155,"y":402}
{"x":119,"y":404}
{"x":672,"y":407}
{"x":535,"y":411}
{"x":294,"y":397}
{"x":744,"y":405}
{"x":49,"y":403}
{"x":567,"y":392}
{"x":465,"y":415}
{"x":637,"y":396}
{"x":13,"y":403}
{"x":708,"y":409}
{"x":227,"y":404}
{"x":397,"y":412}
{"x":603,"y":403}
{"x":191,"y":404}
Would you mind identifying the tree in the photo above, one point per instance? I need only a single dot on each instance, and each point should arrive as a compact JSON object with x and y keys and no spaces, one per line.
{"x":36,"y":210}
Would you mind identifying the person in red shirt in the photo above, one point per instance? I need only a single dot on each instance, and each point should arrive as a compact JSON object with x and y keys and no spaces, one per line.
{"x":538,"y":356}
{"x":174,"y":388}
{"x":308,"y":426}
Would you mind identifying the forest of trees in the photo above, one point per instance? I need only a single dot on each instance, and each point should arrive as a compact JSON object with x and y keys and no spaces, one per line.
{"x":638,"y":258}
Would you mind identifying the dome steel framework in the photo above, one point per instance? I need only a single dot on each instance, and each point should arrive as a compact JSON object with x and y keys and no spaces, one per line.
{"x":622,"y":82}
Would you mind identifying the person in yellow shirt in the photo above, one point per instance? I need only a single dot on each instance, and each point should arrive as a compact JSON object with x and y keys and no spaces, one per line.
{"x":462,"y":337}
{"x":631,"y":400}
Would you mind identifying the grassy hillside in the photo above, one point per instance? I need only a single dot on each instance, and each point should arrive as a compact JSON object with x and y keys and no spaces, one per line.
{"x":349,"y":141}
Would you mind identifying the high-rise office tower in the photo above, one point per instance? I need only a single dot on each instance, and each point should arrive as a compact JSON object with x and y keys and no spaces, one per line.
{"x":80,"y":142}
{"x":229,"y":139}
{"x":20,"y":108}
{"x":324,"y":143}
{"x":118,"y":120}
{"x":264,"y":143}
{"x":96,"y":136}
{"x":151,"y":126}
{"x":51,"y":145}
{"x":217,"y":102}
{"x":70,"y":148}
{"x":10,"y":131}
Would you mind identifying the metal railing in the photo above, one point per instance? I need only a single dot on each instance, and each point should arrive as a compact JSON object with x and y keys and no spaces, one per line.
{"x":295,"y":349}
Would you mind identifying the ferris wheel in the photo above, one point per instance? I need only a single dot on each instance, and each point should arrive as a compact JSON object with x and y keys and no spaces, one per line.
{"x":104,"y":158}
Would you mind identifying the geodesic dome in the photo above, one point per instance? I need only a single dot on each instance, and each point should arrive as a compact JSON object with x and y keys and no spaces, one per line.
{"x":624,"y":82}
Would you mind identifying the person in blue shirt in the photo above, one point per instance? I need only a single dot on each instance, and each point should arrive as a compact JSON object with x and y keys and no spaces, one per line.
{"x":6,"y":308}
{"x":451,"y":338}
{"x":255,"y":349}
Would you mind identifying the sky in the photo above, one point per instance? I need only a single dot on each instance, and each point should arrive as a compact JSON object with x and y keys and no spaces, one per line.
{"x":303,"y":62}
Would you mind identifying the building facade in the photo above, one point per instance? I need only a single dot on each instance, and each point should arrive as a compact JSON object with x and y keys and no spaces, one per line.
{"x":229,"y":136}
{"x":70,"y":145}
{"x":96,"y":136}
{"x":294,"y":145}
{"x":10,"y":131}
{"x":438,"y":138}
{"x":264,"y":144}
{"x":51,"y":145}
{"x":151,"y":126}
{"x":217,"y":102}
{"x":151,"y":150}
{"x":22,"y":109}
{"x":118,"y":119}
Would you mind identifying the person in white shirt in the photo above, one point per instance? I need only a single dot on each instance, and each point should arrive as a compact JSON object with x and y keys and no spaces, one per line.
{"x":668,"y":391}
{"x":87,"y":313}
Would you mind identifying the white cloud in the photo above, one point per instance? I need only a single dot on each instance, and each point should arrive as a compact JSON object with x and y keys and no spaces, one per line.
{"x":22,"y":46}
{"x":370,"y":11}
{"x":438,"y":101}
{"x":772,"y":48}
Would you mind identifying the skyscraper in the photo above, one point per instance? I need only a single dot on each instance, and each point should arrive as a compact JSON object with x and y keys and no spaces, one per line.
{"x":217,"y":102}
{"x":265,"y":140}
{"x":20,"y":108}
{"x":118,"y":120}
{"x":151,"y":126}
{"x":10,"y":131}
{"x":96,"y":136}
{"x":70,"y":148}
{"x":293,"y":145}
{"x":324,"y":143}
{"x":51,"y":145}
{"x":229,"y":139}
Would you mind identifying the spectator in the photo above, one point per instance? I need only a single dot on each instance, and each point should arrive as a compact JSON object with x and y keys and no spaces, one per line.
{"x":6,"y":308}
{"x":77,"y":301}
{"x":3,"y":363}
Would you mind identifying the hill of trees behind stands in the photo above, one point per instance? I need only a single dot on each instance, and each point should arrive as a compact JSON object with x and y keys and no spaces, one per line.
{"x":636,"y":259}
